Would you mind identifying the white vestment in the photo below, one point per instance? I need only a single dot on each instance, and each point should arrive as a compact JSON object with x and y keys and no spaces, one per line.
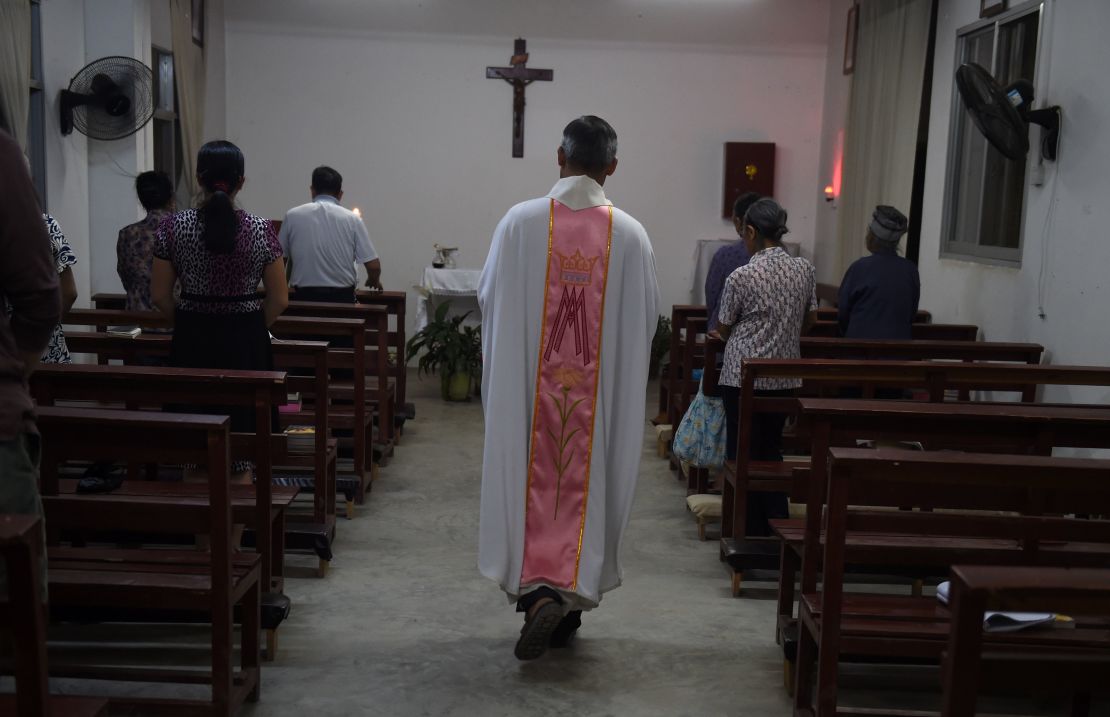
{"x":511,"y":296}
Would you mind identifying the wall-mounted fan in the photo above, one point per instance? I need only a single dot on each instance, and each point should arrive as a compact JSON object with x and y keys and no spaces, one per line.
{"x":1003,"y":114}
{"x":109,"y":98}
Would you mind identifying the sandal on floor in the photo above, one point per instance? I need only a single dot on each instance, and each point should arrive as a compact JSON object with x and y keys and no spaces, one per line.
{"x":536,"y":633}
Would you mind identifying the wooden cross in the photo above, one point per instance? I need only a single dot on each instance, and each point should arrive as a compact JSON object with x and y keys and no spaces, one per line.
{"x":519,"y":77}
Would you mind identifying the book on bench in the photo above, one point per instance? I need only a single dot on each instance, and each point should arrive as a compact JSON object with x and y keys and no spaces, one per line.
{"x":995,"y":621}
{"x":131,"y":331}
{"x":300,"y":439}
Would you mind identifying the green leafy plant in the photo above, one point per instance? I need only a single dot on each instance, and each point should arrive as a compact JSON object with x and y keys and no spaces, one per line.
{"x":448,"y":348}
{"x":660,"y":345}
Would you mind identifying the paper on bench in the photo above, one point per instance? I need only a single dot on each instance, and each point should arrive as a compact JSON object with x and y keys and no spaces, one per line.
{"x":995,"y":621}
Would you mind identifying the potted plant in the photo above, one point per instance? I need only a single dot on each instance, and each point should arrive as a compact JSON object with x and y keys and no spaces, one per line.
{"x":450,"y":349}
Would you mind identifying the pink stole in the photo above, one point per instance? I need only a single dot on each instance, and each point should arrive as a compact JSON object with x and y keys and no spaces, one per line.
{"x":566,"y":394}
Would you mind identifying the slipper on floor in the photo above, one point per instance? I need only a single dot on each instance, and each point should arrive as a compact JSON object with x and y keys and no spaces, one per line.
{"x":536,"y":633}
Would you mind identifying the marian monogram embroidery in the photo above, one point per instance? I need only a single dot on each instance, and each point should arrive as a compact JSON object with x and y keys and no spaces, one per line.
{"x":575,"y":275}
{"x":565,"y":402}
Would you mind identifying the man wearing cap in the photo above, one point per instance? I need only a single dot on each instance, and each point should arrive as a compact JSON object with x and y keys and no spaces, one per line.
{"x":879,"y":293}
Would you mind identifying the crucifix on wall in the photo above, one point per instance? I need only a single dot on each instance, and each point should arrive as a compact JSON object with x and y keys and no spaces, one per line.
{"x":519,"y":77}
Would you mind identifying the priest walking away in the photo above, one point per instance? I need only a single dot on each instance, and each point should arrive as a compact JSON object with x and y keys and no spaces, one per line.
{"x":569,"y":302}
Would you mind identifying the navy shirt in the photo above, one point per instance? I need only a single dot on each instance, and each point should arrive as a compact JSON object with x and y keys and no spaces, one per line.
{"x":727,"y":260}
{"x":878,"y":297}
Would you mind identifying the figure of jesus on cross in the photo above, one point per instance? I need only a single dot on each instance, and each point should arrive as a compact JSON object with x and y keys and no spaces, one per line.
{"x":519,"y":77}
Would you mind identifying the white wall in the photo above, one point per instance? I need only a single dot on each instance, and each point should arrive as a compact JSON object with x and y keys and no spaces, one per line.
{"x":838,"y":88}
{"x":90,"y":184}
{"x":1004,"y":301}
{"x":67,"y":176}
{"x":423,"y":139}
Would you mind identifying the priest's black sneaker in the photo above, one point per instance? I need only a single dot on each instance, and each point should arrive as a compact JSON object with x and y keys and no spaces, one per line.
{"x":566,"y":629}
{"x":538,"y":628}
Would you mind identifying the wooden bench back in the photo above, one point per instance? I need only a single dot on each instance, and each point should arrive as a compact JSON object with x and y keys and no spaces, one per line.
{"x":829,"y":313}
{"x":21,"y":551}
{"x":973,"y":589}
{"x":158,"y":386}
{"x":668,"y":384}
{"x":70,"y":434}
{"x":933,"y":332}
{"x":394,"y":303}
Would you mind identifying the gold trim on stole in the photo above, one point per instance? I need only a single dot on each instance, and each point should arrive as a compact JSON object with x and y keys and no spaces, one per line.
{"x":597,"y":379}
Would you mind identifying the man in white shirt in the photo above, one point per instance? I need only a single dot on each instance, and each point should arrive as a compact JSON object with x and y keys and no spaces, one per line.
{"x":324,"y":241}
{"x":568,"y":299}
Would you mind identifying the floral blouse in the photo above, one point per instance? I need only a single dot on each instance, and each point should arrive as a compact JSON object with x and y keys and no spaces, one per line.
{"x":217,"y":283}
{"x":56,"y":350}
{"x":134,"y":255}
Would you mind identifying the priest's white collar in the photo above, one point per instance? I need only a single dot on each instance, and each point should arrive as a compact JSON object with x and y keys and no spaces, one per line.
{"x":579,"y":192}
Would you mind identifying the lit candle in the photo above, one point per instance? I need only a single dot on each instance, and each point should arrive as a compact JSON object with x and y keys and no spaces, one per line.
{"x":830,"y":193}
{"x":357,"y":212}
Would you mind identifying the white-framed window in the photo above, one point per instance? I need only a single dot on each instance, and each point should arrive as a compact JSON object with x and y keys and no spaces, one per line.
{"x":36,"y":116}
{"x":167,"y":129}
{"x":985,"y":192}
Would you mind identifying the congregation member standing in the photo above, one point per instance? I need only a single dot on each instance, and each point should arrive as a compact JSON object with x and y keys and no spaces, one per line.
{"x":765,"y":306}
{"x":568,"y":298}
{"x":879,"y":293}
{"x":220,"y":254}
{"x":64,"y":259}
{"x":135,"y":245}
{"x":727,"y":259}
{"x":325,"y":242}
{"x":29,"y":292}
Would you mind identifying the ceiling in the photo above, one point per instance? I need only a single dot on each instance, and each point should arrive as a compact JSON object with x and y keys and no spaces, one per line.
{"x":755,"y":24}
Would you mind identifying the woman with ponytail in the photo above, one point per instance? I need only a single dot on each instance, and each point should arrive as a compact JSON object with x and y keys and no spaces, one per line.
{"x":764,"y":308}
{"x":220,"y":254}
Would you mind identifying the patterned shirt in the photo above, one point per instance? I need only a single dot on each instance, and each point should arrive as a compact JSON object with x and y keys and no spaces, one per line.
{"x":727,"y":260}
{"x":765,"y":302}
{"x":57,"y":351}
{"x":134,"y":255}
{"x":217,"y":283}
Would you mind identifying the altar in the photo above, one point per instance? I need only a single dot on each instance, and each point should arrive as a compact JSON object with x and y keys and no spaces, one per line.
{"x":459,"y":286}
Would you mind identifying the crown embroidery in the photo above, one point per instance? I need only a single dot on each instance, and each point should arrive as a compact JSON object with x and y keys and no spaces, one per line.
{"x":576,"y":269}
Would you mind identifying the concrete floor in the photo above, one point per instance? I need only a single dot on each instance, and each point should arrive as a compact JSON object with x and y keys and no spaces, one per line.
{"x":404,"y":625}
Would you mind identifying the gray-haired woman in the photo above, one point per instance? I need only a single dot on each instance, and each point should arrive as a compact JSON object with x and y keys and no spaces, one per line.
{"x":764,"y":308}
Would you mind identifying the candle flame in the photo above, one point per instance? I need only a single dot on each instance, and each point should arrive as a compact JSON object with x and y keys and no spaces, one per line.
{"x":357,"y":212}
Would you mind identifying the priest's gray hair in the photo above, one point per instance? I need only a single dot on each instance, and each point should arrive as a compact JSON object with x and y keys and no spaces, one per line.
{"x":589,"y":144}
{"x":768,"y":218}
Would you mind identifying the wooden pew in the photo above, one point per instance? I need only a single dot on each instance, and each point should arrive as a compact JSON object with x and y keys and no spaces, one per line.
{"x":679,"y":314}
{"x":144,"y":585}
{"x":394,"y":303}
{"x":833,"y":623}
{"x":932,"y":378}
{"x":24,"y":618}
{"x":159,"y":387}
{"x":354,"y":417}
{"x":348,"y":405}
{"x":381,"y":384}
{"x":288,"y":356}
{"x":977,"y":588}
{"x":1016,"y":428}
{"x":925,"y":332}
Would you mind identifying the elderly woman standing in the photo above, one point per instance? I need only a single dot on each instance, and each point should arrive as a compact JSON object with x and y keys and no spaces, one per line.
{"x":879,"y":293}
{"x":764,"y":308}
